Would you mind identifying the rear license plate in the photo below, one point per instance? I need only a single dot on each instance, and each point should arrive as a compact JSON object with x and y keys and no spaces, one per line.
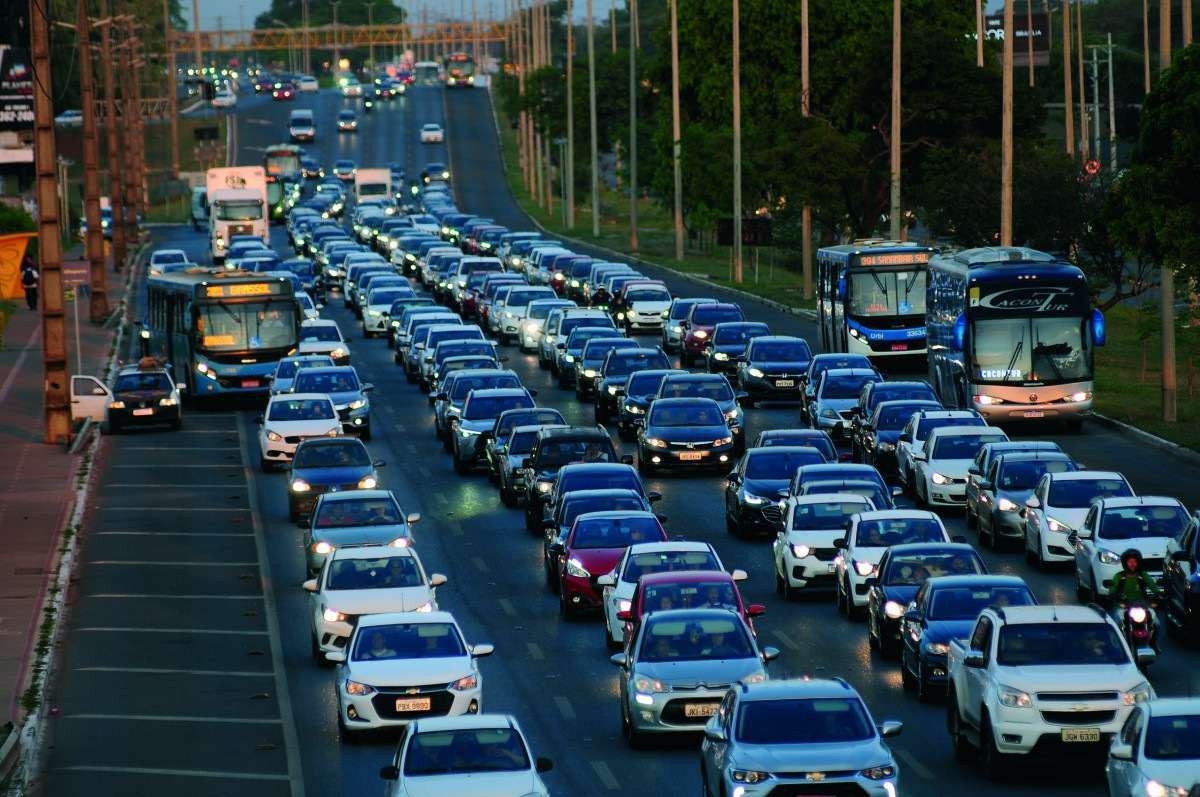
{"x":699,"y":709}
{"x":251,"y":383}
{"x":1034,"y":414}
{"x":785,"y":383}
{"x":899,"y":347}
{"x":144,"y":411}
{"x":1081,"y":734}
{"x":691,"y":456}
{"x":414,"y":704}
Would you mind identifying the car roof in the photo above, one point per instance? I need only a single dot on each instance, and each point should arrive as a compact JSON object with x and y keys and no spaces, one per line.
{"x":687,"y":401}
{"x":494,"y":392}
{"x":393,"y":618}
{"x":372,"y":552}
{"x":536,"y":427}
{"x":687,"y":376}
{"x":464,"y":722}
{"x":897,"y":514}
{"x":797,"y":689}
{"x":615,"y":514}
{"x":1172,"y":706}
{"x":1086,"y":475}
{"x":595,"y":467}
{"x":778,"y":338}
{"x":356,"y":495}
{"x":331,"y":369}
{"x":342,"y":440}
{"x":686,"y":576}
{"x":281,"y":397}
{"x":974,"y":579}
{"x":318,"y":322}
{"x":832,"y":372}
{"x":607,"y":492}
{"x":825,"y":498}
{"x":965,"y":431}
{"x":671,"y":545}
{"x":1034,"y":456}
{"x":1140,"y":500}
{"x":927,"y":547}
{"x":558,"y":432}
{"x":1061,"y":613}
{"x":759,"y":450}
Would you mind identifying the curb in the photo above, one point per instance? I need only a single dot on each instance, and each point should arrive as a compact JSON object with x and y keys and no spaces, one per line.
{"x":620,"y":256}
{"x":1149,"y":439}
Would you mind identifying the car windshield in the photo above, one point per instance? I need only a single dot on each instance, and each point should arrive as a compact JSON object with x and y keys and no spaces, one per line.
{"x":386,"y":297}
{"x":594,"y":353}
{"x":965,"y":603}
{"x":570,"y":325}
{"x":647,"y":295}
{"x":308,"y":381}
{"x":573,"y":507}
{"x":642,"y":564}
{"x":521,"y":443}
{"x":538,"y":312}
{"x":845,"y":387}
{"x":716,"y":389}
{"x":325,"y":333}
{"x":690,"y":595}
{"x":789,"y":352}
{"x":681,"y":309}
{"x":518,"y":298}
{"x":780,"y":465}
{"x":868,"y":490}
{"x":962,"y":446}
{"x":826,"y":720}
{"x":710,"y":316}
{"x":684,"y":415}
{"x":526,"y":418}
{"x":556,"y":453}
{"x":915,"y":569}
{"x":467,"y":750}
{"x":343,"y":454}
{"x":616,"y":532}
{"x":249,"y":325}
{"x":739,"y":334}
{"x":927,"y":425}
{"x":1173,"y":738}
{"x":624,"y":364}
{"x":288,"y":368}
{"x":710,"y":638}
{"x":825,"y":516}
{"x":893,"y":418}
{"x":408,"y":641}
{"x":127,"y":383}
{"x":466,"y":384}
{"x":301,"y":268}
{"x":895,"y":531}
{"x":1023,"y":475}
{"x":302,"y":410}
{"x":392,"y":572}
{"x":644,"y":384}
{"x":358,"y":512}
{"x":1047,"y":350}
{"x":887,"y":293}
{"x":1079,"y":493}
{"x":1133,"y":522}
{"x":161,"y":258}
{"x":819,"y":441}
{"x":491,"y":406}
{"x":1054,"y":644}
{"x":234,"y":210}
{"x":446,"y":351}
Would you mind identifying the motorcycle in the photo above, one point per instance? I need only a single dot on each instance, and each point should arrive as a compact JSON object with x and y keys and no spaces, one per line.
{"x":368,"y":105}
{"x":1140,"y":632}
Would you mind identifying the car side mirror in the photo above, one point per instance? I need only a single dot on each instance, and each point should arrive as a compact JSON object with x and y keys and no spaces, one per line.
{"x":437,"y":580}
{"x":181,"y":387}
{"x":1121,"y":752}
{"x":770,"y":653}
{"x":905,"y":437}
{"x":918,"y":456}
{"x":625,"y":616}
{"x":756,"y":610}
{"x":310,"y":585}
{"x":897,"y":491}
{"x":985,"y":484}
{"x":974,"y":659}
{"x":390,"y":772}
{"x":626,"y":459}
{"x":871,"y":582}
{"x":619,"y":660}
{"x":479,"y":651}
{"x":379,"y":463}
{"x":606,"y":580}
{"x":336,"y":656}
{"x":714,"y":734}
{"x":413,"y":518}
{"x":1032,"y":502}
{"x":443,"y":396}
{"x":739,"y":575}
{"x":840,"y":542}
{"x":1180,"y":556}
{"x":653,"y":496}
{"x":889,"y":728}
{"x":974,"y":470}
{"x":544,"y":764}
{"x":367,"y":388}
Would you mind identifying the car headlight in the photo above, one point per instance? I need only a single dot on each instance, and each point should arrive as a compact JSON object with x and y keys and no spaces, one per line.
{"x":879,"y":773}
{"x":634,"y":409}
{"x":722,"y":441}
{"x":649,"y":685}
{"x":274,"y":437}
{"x":367,"y":483}
{"x":1058,"y":526}
{"x":620,"y":316}
{"x":323,"y":548}
{"x":722,"y":356}
{"x":1014,"y":698}
{"x":1138,"y":614}
{"x":733,"y":414}
{"x":589,"y":373}
{"x":801,"y":551}
{"x":508,"y":314}
{"x":445,"y":175}
{"x":938,"y":478}
{"x":886,"y":448}
{"x":120,"y":405}
{"x":864,"y":569}
{"x":167,"y":402}
{"x":1005,"y":505}
{"x":332,"y":617}
{"x":425,"y":607}
{"x":1108,"y":557}
{"x":754,"y":372}
{"x":545,"y":487}
{"x":399,"y":542}
{"x":748,"y":776}
{"x":937,"y":648}
{"x":753,"y":500}
{"x":987,"y":401}
{"x":300,"y":486}
{"x":656,"y":442}
{"x":613,"y":390}
{"x":700,"y":334}
{"x":201,"y":368}
{"x":1138,"y":694}
{"x":575,"y":568}
{"x":466,"y":682}
{"x":568,"y":358}
{"x":357,"y":404}
{"x":338,"y":352}
{"x":359,"y":690}
{"x":893,"y":610}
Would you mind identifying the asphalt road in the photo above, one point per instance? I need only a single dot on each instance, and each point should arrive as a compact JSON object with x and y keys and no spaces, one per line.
{"x":216,"y":686}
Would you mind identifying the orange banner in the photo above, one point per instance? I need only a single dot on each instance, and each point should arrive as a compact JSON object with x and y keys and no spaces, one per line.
{"x":12,"y":250}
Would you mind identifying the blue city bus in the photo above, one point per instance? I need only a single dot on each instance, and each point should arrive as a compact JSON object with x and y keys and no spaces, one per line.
{"x":871,"y":298}
{"x":1012,"y":334}
{"x":223,"y":331}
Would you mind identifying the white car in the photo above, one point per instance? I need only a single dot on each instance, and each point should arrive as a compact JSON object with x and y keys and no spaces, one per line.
{"x":432,"y":134}
{"x":1114,"y":525}
{"x":285,"y":371}
{"x":403,"y":666}
{"x":916,"y":432}
{"x":805,"y":552}
{"x":864,"y":543}
{"x":510,"y":316}
{"x":308,"y":84}
{"x":72,"y":118}
{"x":312,"y":310}
{"x":324,"y":337}
{"x":224,"y":99}
{"x":1155,"y":752}
{"x":357,"y":581}
{"x":939,"y":472}
{"x":1058,"y":506}
{"x":649,"y":557}
{"x":491,"y":757}
{"x":352,"y":88}
{"x":164,"y":260}
{"x":535,"y":320}
{"x":291,"y":418}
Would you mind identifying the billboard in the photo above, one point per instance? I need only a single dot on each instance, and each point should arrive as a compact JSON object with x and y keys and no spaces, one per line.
{"x":1036,"y":25}
{"x":16,"y":89}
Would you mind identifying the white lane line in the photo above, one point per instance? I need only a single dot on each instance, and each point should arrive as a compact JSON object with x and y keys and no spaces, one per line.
{"x":564,"y":707}
{"x":162,"y":671}
{"x":144,"y":630}
{"x":181,"y":773}
{"x":111,"y":508}
{"x":480,"y":564}
{"x":787,"y":641}
{"x":8,"y":381}
{"x":605,"y":775}
{"x":173,"y":533}
{"x":507,"y":606}
{"x":535,"y":651}
{"x":171,"y":564}
{"x":180,"y":448}
{"x":152,"y":597}
{"x":441,"y":499}
{"x":173,"y":718}
{"x":910,"y":761}
{"x":160,"y":486}
{"x":231,"y":465}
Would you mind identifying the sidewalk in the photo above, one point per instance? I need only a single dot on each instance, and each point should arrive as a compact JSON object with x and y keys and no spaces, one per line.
{"x":36,"y":483}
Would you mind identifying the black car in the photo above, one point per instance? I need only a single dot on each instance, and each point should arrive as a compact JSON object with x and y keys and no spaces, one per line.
{"x":901,"y":572}
{"x":328,"y":465}
{"x":813,"y":438}
{"x":640,"y":389}
{"x":715,"y":387}
{"x":574,"y":504}
{"x":615,"y":371}
{"x":1181,"y":583}
{"x":435,"y":172}
{"x":495,"y":440}
{"x":757,"y":484}
{"x":873,"y":394}
{"x":591,"y":361}
{"x":726,"y":347}
{"x":144,"y":397}
{"x":819,"y":365}
{"x":773,"y":368}
{"x":945,"y":609}
{"x":875,"y":438}
{"x":311,"y":169}
{"x":553,"y":449}
{"x":685,"y":432}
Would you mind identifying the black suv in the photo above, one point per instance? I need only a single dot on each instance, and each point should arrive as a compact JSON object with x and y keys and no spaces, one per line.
{"x":143,"y":395}
{"x":614,"y":373}
{"x":553,"y":449}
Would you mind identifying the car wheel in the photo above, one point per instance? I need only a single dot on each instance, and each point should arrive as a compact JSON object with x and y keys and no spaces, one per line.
{"x":633,"y":736}
{"x":906,"y":676}
{"x":1080,"y":591}
{"x":924,"y":693}
{"x":265,"y":465}
{"x":643,"y":465}
{"x":788,"y":592}
{"x":972,"y":518}
{"x":507,"y":497}
{"x":958,"y":740}
{"x":991,"y":760}
{"x":779,"y":582}
{"x":839,"y":598}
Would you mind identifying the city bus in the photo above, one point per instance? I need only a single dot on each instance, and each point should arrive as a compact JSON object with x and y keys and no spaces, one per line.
{"x":282,"y":162}
{"x":871,"y":298}
{"x":460,"y":70}
{"x":223,"y":331}
{"x":427,"y":73}
{"x":1012,"y":334}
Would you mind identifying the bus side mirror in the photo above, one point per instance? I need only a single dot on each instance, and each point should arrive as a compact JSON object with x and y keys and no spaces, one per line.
{"x":841,"y":289}
{"x":1099,"y":333}
{"x":960,"y":332}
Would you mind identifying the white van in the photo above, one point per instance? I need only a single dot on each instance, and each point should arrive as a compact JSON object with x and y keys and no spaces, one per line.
{"x":301,"y":126}
{"x":199,"y":208}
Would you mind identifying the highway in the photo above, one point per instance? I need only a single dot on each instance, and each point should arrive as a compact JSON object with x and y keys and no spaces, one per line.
{"x":186,"y":663}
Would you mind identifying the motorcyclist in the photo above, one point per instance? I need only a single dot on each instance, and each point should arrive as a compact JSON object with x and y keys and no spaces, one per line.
{"x":601,"y":297}
{"x":1134,"y":586}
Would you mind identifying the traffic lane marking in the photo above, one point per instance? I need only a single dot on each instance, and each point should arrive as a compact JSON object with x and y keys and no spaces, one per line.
{"x":189,"y":773}
{"x":923,"y":772}
{"x":167,"y":533}
{"x":607,"y":779}
{"x":168,"y":671}
{"x":179,"y":613}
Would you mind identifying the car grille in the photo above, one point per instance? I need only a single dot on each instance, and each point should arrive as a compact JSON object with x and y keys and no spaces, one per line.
{"x":772,"y":514}
{"x":825,"y":554}
{"x":673,"y":711}
{"x":847,"y":773}
{"x":440,"y":701}
{"x":824,"y":789}
{"x":702,"y":445}
{"x":241,"y":229}
{"x":1075,"y":697}
{"x":294,"y":439}
{"x":1078,"y":717}
{"x":344,"y":414}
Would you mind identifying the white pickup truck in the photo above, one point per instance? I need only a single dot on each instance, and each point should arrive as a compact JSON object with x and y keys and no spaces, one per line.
{"x":1040,"y":680}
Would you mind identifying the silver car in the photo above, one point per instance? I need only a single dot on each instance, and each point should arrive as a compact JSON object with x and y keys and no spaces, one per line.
{"x":789,"y":737}
{"x":1155,"y":752}
{"x":677,"y":669}
{"x":353,"y":518}
{"x":836,"y":396}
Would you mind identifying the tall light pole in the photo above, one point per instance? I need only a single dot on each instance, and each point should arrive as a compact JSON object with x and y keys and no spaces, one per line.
{"x":371,"y":33}
{"x":1112,"y":112}
{"x":569,"y":177}
{"x":737,"y":144}
{"x":198,"y":55}
{"x":978,"y":32}
{"x":113,"y":134}
{"x":1029,"y":38}
{"x":676,"y":133}
{"x":307,"y":37}
{"x":172,"y":89}
{"x":633,"y":185}
{"x":806,"y":253}
{"x":591,"y":46}
{"x":291,"y":48}
{"x":894,"y":215}
{"x":1146,"y":46}
{"x":337,"y":48}
{"x":1006,"y":134}
{"x":1084,"y":146}
{"x":1068,"y":102}
{"x":91,"y":167}
{"x":1166,"y":289}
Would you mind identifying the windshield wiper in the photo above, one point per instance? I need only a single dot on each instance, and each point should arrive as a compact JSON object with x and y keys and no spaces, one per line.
{"x":881,"y":286}
{"x":1013,"y":360}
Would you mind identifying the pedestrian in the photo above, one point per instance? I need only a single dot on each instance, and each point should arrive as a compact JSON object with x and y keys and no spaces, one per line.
{"x":29,"y":281}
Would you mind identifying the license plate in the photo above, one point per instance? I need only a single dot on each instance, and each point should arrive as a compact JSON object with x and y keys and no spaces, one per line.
{"x":699,"y":709}
{"x":251,"y":383}
{"x":413,"y":704}
{"x":899,"y":347}
{"x":1081,"y":734}
{"x":144,"y":411}
{"x":691,"y":456}
{"x":832,"y":567}
{"x":1034,"y":414}
{"x":785,"y":383}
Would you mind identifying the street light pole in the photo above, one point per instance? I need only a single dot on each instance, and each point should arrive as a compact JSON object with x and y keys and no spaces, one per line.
{"x":737,"y":144}
{"x":1166,"y":289}
{"x":196,"y":37}
{"x":676,"y":133}
{"x":1068,"y":102}
{"x":591,"y":40}
{"x":1084,"y":146}
{"x":337,"y":49}
{"x":633,"y":153}
{"x":307,"y":38}
{"x":569,"y":177}
{"x":806,"y":253}
{"x":894,"y":214}
{"x":371,"y":33}
{"x":94,"y":245}
{"x":1006,"y":134}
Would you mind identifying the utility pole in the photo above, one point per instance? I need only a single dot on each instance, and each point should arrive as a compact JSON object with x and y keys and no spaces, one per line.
{"x":1185,"y":19}
{"x":1029,"y":38}
{"x":1167,"y":280}
{"x":1084,"y":146}
{"x":676,"y":133}
{"x":128,"y":136}
{"x":522,"y":116}
{"x":55,"y":402}
{"x":633,"y":153}
{"x":1068,"y":101}
{"x":612,"y":24}
{"x":94,"y":244}
{"x":1095,"y":101}
{"x":547,"y":60}
{"x":535,"y":48}
{"x":737,"y":144}
{"x":116,"y":166}
{"x":172,"y":89}
{"x":569,"y":178}
{"x":371,"y":35}
{"x":897,"y":125}
{"x":1006,"y":134}
{"x":199,"y":54}
{"x":1112,"y":112}
{"x":978,"y":32}
{"x":307,"y":36}
{"x":591,"y":47}
{"x":806,"y":253}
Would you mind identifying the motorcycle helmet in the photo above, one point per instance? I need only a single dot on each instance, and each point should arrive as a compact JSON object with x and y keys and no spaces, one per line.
{"x":1135,"y":555}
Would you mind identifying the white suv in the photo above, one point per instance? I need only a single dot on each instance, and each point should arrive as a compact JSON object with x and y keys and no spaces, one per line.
{"x":869,"y":535}
{"x":939,"y":473}
{"x":805,"y":553}
{"x":1114,"y":525}
{"x":1058,"y":506}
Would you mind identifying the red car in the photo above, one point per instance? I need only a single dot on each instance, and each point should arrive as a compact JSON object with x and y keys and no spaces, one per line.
{"x":698,"y":328}
{"x":593,"y":547}
{"x":690,"y":589}
{"x":283,"y":91}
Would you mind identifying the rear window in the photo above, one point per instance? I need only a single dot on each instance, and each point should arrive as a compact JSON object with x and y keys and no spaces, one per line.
{"x":642,"y":564}
{"x":961,"y":446}
{"x":830,"y":516}
{"x":616,"y":532}
{"x":708,"y":316}
{"x":491,"y":406}
{"x":718,"y":390}
{"x":896,"y":531}
{"x":965,"y":603}
{"x":1024,"y":475}
{"x":915,"y":569}
{"x":845,"y":387}
{"x":768,"y":464}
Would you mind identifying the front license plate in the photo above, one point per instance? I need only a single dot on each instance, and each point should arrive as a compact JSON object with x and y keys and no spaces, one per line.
{"x":251,"y":383}
{"x":1034,"y":414}
{"x":144,"y":411}
{"x":785,"y":383}
{"x":691,"y":456}
{"x":1081,"y":734}
{"x":699,"y":709}
{"x":413,"y":704}
{"x":832,"y":567}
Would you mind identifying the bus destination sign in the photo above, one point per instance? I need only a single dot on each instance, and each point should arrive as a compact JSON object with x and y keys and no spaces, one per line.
{"x":239,"y":289}
{"x":894,"y":259}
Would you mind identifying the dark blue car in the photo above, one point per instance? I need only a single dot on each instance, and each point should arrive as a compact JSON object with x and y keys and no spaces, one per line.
{"x":328,"y":465}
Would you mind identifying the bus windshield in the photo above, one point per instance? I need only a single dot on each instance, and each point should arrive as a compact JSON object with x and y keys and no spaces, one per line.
{"x":246,"y":325}
{"x":1047,"y":350}
{"x":240,"y":210}
{"x":875,"y":294}
{"x":283,"y":164}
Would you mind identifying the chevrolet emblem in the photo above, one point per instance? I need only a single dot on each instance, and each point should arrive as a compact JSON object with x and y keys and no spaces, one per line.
{"x":691,"y":445}
{"x":412,"y":690}
{"x":816,"y":777}
{"x":1079,"y":708}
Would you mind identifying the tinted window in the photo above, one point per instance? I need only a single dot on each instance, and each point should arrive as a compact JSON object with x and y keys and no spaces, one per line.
{"x":1173,"y":738}
{"x":621,"y":480}
{"x":1079,"y":493}
{"x":465,"y":384}
{"x":693,"y":640}
{"x":888,"y":532}
{"x":916,"y":569}
{"x":491,"y":406}
{"x":686,"y":415}
{"x":302,"y":410}
{"x":615,"y":532}
{"x":893,"y":418}
{"x":824,"y":516}
{"x":845,"y":387}
{"x":1024,"y":475}
{"x":327,"y":382}
{"x":1131,"y":522}
{"x":322,"y":333}
{"x":624,"y":364}
{"x":791,"y":351}
{"x":574,"y":507}
{"x":644,"y":384}
{"x":715,"y":389}
{"x":708,"y":316}
{"x":1038,"y":644}
{"x":556,"y":452}
{"x":408,"y":641}
{"x":343,"y":455}
{"x":739,"y":334}
{"x":780,"y":465}
{"x":961,"y":446}
{"x":143,"y":381}
{"x":965,"y":603}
